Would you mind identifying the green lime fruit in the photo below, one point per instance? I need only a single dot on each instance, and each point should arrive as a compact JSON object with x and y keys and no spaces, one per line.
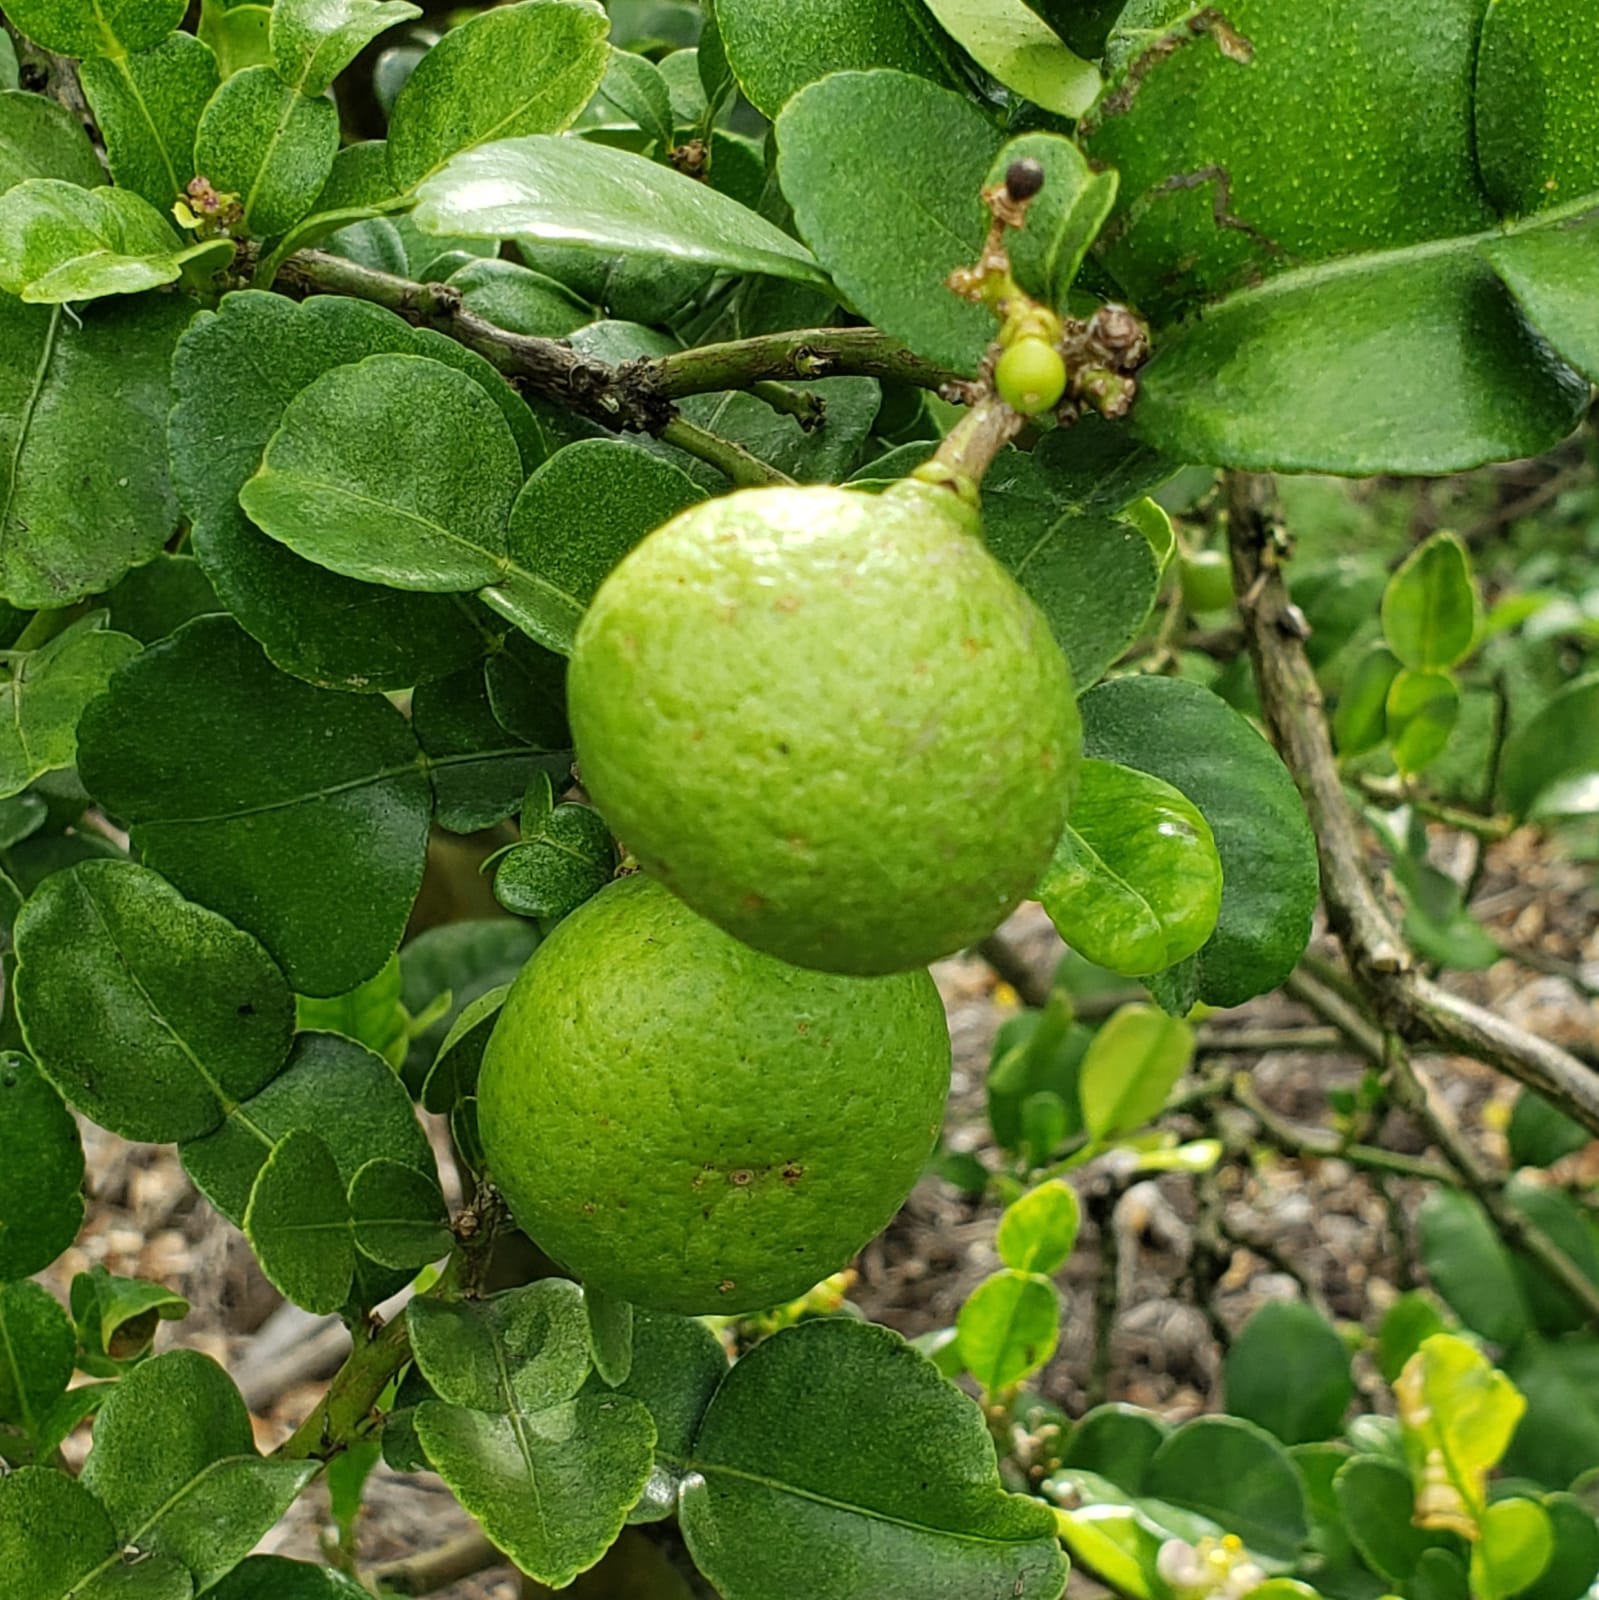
{"x":830,"y":721}
{"x":694,"y":1126}
{"x":1030,"y":376}
{"x":1206,"y":577}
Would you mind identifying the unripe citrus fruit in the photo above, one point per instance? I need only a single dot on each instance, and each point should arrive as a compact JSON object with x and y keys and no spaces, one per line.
{"x":1030,"y":376}
{"x":695,"y":1126}
{"x":1206,"y":577}
{"x":830,"y":721}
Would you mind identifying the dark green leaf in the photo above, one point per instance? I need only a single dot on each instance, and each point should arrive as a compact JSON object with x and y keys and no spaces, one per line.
{"x":1197,"y":743}
{"x":520,"y":300}
{"x":298,"y":1223}
{"x":1008,"y":1328}
{"x":1035,"y":1053}
{"x":610,"y":1335}
{"x":1554,"y":277}
{"x":90,"y":396}
{"x":268,"y":144}
{"x":96,"y":27}
{"x":1539,"y":1134}
{"x":234,"y":373}
{"x":1009,"y":40}
{"x":1551,"y":762}
{"x":825,"y":454}
{"x":1561,"y":1219}
{"x":574,"y":192}
{"x":517,"y":70}
{"x":1237,"y":1475}
{"x":776,"y":50}
{"x":892,"y":223}
{"x":45,"y":695}
{"x":1135,"y":884}
{"x":276,"y":1578}
{"x":398,"y":1215}
{"x":174,"y":1463}
{"x":1469,"y":1266}
{"x":1116,"y":1442}
{"x":41,"y":1203}
{"x":40,"y":139}
{"x":9,"y":71}
{"x":1288,"y":1371}
{"x":454,"y":1073}
{"x":148,"y":107}
{"x":159,"y":597}
{"x":117,"y":1317}
{"x":636,"y":88}
{"x":548,"y":1471}
{"x":1558,"y":1438}
{"x":1131,"y":1065}
{"x":313,"y":41}
{"x":1376,"y":1499}
{"x":1430,"y":610}
{"x":835,"y":1461}
{"x":150,"y":1014}
{"x":565,"y":856}
{"x":1410,"y":1319}
{"x":37,"y":1345}
{"x":312,"y":835}
{"x":1037,"y":1232}
{"x":397,"y":470}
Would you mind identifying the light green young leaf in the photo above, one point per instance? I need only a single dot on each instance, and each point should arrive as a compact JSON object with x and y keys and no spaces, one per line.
{"x":117,"y":1317}
{"x":268,"y":144}
{"x":1516,"y":1544}
{"x":148,"y":1013}
{"x":1421,"y":711}
{"x":41,"y":1182}
{"x":41,"y":139}
{"x":1131,"y":1066}
{"x":515,"y":70}
{"x":298,"y":1223}
{"x":1008,"y":1328}
{"x":9,"y":70}
{"x":313,"y":41}
{"x":96,"y":27}
{"x":1037,"y":1232}
{"x":240,"y":35}
{"x":148,"y":107}
{"x":1013,"y":42}
{"x":1360,"y":720}
{"x":1430,"y":609}
{"x":370,"y":1013}
{"x":1551,"y":762}
{"x":596,"y":198}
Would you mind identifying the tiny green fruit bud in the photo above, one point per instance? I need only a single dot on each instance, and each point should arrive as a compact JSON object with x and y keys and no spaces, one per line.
{"x":1031,"y":377}
{"x":1207,"y":581}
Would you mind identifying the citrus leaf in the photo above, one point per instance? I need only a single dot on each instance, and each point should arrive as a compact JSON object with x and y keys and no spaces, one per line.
{"x":398,"y":1215}
{"x":891,"y":224}
{"x":548,"y":1470}
{"x":277,"y":1578}
{"x":1010,"y":40}
{"x":1430,"y":609}
{"x":175,"y":1465}
{"x":1360,"y":722}
{"x":96,"y":27}
{"x":1517,"y":1542}
{"x":40,"y":139}
{"x":1554,"y":275}
{"x":520,"y":69}
{"x":148,"y":108}
{"x":1037,"y":1232}
{"x":577,"y":193}
{"x":1130,"y":1067}
{"x":1375,"y":1498}
{"x":1559,"y":1439}
{"x":1187,"y":736}
{"x":1551,"y":761}
{"x":1469,"y":1266}
{"x":150,"y":1014}
{"x":312,"y":836}
{"x":239,"y":36}
{"x":1008,"y":1328}
{"x":370,"y":1013}
{"x":234,"y":373}
{"x":1288,"y":1371}
{"x":37,"y":1346}
{"x":777,"y":1503}
{"x":1571,"y":1571}
{"x":634,"y":85}
{"x":454,"y":1073}
{"x":1540,"y":1134}
{"x":313,"y":41}
{"x":610,"y":1335}
{"x":41,"y":1200}
{"x":776,"y":50}
{"x":520,"y":300}
{"x":1421,"y":711}
{"x":83,"y":475}
{"x":565,"y":856}
{"x":298,"y":1223}
{"x":1135,"y":884}
{"x":1117,"y":1442}
{"x":117,"y":1317}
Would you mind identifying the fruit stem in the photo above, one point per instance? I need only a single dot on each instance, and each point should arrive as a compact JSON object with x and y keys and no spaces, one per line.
{"x":969,"y":448}
{"x":746,"y":469}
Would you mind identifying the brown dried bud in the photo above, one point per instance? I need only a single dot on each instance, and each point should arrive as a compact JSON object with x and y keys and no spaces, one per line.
{"x":1023,"y":179}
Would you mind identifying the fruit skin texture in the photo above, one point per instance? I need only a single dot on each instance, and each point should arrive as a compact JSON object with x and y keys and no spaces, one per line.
{"x":830,"y":721}
{"x":1207,"y":581}
{"x":693,"y":1126}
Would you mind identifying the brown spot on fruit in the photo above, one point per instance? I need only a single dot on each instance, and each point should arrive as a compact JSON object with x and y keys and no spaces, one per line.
{"x":742,"y":1178}
{"x":789,"y":603}
{"x":726,"y":1286}
{"x":793,"y":1172}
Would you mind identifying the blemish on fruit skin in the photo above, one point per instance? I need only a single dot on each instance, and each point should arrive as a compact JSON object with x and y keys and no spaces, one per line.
{"x":589,"y":1208}
{"x":793,"y":1172}
{"x":754,"y":902}
{"x":789,"y":603}
{"x":726,"y":1286}
{"x":742,"y":1178}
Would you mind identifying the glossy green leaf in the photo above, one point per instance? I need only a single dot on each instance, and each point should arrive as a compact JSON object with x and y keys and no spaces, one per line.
{"x":575,"y":518}
{"x":566,"y":855}
{"x":277,"y":1578}
{"x":1185,"y":735}
{"x":9,"y":70}
{"x":175,"y":1465}
{"x":1540,"y":1134}
{"x":1037,"y":1232}
{"x":298,"y":1223}
{"x":148,"y":107}
{"x":93,"y":392}
{"x":398,"y":1215}
{"x":48,"y":689}
{"x":1117,"y":1442}
{"x":1012,"y":42}
{"x":1517,"y":1542}
{"x":311,"y":836}
{"x":268,"y":144}
{"x":57,"y":1543}
{"x":1288,"y":1371}
{"x":454,"y":1073}
{"x":549,"y":1471}
{"x":239,"y":36}
{"x":1237,"y":1475}
{"x":41,"y":139}
{"x":396,"y":470}
{"x":1575,"y":1562}
{"x":1553,"y":273}
{"x":1422,"y":709}
{"x":596,"y":198}
{"x":370,"y":1013}
{"x":894,"y":221}
{"x":1008,"y":1328}
{"x":96,"y":27}
{"x":234,"y":373}
{"x":776,"y":50}
{"x":313,"y":41}
{"x":37,"y":1345}
{"x":150,"y":1014}
{"x":1375,"y":1498}
{"x":610,"y":1335}
{"x":41,"y":1200}
{"x":520,"y":69}
{"x":117,"y":1317}
{"x":1430,"y":609}
{"x":1115,"y":1535}
{"x":634,"y":85}
{"x":520,"y":300}
{"x":1135,"y":884}
{"x":1131,"y":1066}
{"x":1360,"y":719}
{"x":332,"y":1087}
{"x":1470,"y":1267}
{"x":1035,"y":1053}
{"x":834,"y":1461}
{"x":1551,"y":762}
{"x":1414,"y":1316}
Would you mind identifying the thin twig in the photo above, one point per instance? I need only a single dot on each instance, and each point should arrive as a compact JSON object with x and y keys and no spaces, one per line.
{"x":744,"y":467}
{"x":344,"y":1414}
{"x":432,"y":1570}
